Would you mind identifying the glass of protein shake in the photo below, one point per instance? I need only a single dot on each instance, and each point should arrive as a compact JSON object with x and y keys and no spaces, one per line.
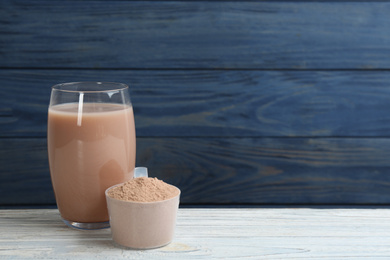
{"x":91,"y":146}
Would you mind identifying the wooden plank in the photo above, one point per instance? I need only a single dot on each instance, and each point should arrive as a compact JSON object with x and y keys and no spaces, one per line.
{"x":195,"y":34}
{"x":217,"y":103}
{"x":270,"y":233}
{"x":228,"y":170}
{"x":24,"y":168}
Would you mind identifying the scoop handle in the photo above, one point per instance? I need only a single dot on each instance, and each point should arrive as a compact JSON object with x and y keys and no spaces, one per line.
{"x":140,"y":172}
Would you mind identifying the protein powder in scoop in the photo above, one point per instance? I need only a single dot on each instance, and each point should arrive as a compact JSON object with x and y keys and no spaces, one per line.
{"x":143,"y":212}
{"x":143,"y":189}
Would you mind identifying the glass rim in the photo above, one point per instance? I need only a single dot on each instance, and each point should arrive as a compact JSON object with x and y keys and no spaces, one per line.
{"x":71,"y":87}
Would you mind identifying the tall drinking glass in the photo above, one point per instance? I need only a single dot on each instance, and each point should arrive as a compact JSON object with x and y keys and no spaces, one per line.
{"x":91,"y":147}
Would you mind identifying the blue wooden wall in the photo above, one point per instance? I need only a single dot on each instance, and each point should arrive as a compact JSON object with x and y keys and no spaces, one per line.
{"x":257,"y":102}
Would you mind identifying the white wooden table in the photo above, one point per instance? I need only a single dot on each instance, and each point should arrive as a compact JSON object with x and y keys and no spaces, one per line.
{"x":253,"y":233}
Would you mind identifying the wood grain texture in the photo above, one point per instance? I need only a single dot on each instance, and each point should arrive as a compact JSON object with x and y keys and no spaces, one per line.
{"x":228,"y":171}
{"x":236,"y":102}
{"x":217,"y":103}
{"x":195,"y":34}
{"x":269,"y":233}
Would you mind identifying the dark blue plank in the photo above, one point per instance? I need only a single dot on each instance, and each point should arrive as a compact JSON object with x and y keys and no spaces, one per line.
{"x":24,"y":175}
{"x":195,"y":34}
{"x":229,"y":170}
{"x":217,"y":103}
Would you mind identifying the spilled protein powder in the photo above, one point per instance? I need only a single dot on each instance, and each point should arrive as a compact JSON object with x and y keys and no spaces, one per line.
{"x":143,"y":189}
